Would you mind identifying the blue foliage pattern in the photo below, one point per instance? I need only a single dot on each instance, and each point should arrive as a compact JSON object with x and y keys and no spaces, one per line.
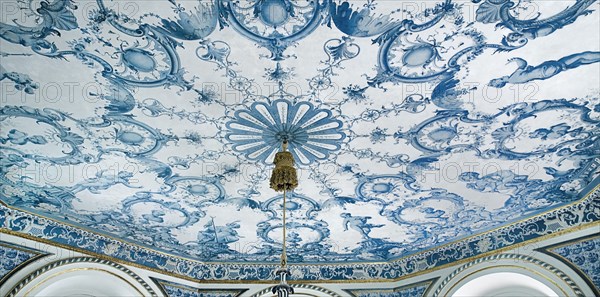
{"x":585,"y":256}
{"x":12,"y":258}
{"x":581,"y":213}
{"x":173,"y":145}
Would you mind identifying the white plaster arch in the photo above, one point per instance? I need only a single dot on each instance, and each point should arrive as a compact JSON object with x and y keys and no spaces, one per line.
{"x":507,"y":275}
{"x":500,"y":284}
{"x":82,"y":276}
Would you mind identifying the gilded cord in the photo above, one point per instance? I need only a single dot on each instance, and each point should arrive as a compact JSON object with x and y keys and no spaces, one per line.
{"x":283,"y":254}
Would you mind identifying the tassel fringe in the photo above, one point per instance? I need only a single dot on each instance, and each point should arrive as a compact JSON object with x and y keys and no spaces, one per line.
{"x":284,"y":176}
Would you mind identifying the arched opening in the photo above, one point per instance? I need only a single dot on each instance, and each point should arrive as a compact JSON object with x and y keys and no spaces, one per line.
{"x":82,"y":276}
{"x":84,"y":282}
{"x":504,"y":284}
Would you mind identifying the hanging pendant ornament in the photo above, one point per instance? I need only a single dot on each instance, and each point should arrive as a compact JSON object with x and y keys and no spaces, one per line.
{"x":284,"y":178}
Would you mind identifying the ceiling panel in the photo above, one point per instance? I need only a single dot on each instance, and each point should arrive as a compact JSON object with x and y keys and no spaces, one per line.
{"x":413,"y":124}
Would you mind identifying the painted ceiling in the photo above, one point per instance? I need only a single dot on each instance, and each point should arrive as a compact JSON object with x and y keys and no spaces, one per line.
{"x":413,"y":124}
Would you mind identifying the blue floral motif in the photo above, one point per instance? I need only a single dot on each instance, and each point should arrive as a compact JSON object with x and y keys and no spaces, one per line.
{"x":193,"y":25}
{"x":359,"y":23}
{"x":311,"y":132}
{"x":585,"y":255}
{"x":54,"y":16}
{"x":274,"y":24}
{"x":504,"y":13}
{"x":577,"y":214}
{"x":13,"y":257}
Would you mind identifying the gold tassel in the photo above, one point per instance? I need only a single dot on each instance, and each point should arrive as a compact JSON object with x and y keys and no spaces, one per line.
{"x":284,"y":177}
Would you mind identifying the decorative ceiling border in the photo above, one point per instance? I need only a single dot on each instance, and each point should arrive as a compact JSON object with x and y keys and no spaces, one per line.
{"x":574,"y":216}
{"x":164,"y":284}
{"x":29,"y":278}
{"x":36,"y":254}
{"x":548,"y":251}
{"x":400,"y":290}
{"x":565,"y":278}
